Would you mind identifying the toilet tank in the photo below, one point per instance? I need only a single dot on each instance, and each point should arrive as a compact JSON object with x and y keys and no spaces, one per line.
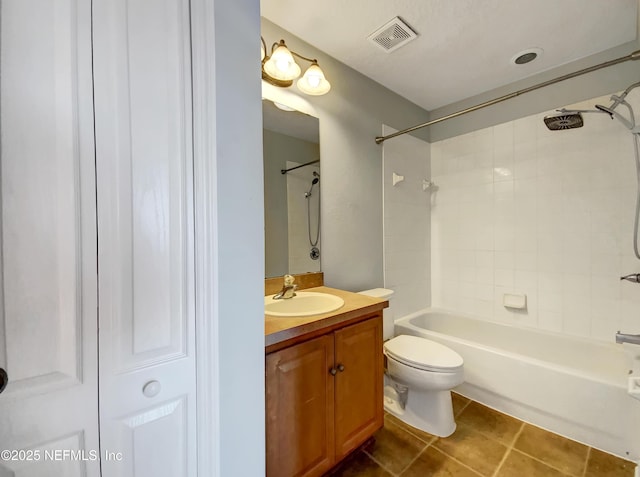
{"x":388,"y":316}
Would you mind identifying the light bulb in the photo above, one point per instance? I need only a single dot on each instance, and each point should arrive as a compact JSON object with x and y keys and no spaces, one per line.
{"x":281,"y":65}
{"x":313,"y":81}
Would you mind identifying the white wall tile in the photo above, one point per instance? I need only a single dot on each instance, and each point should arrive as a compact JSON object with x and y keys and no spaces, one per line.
{"x":546,"y":213}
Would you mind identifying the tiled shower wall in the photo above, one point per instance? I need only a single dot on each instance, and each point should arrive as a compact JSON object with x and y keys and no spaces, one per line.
{"x":549,"y":214}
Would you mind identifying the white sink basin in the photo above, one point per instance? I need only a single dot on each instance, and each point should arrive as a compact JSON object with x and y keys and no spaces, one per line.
{"x":303,"y":304}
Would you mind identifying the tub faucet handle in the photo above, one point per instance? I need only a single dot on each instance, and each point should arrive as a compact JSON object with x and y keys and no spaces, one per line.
{"x":632,"y":277}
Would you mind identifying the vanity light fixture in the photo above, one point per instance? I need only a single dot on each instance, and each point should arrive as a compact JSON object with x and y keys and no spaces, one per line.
{"x":280,"y":69}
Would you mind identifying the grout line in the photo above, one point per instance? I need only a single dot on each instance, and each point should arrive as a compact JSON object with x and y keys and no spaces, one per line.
{"x":586,"y":462}
{"x":509,"y":449}
{"x":414,"y":459}
{"x":482,"y":434}
{"x":545,"y":463}
{"x":404,"y":468}
{"x":459,"y":462}
{"x":469,"y":401}
{"x":552,"y":466}
{"x":462,"y":463}
{"x":379,"y":464}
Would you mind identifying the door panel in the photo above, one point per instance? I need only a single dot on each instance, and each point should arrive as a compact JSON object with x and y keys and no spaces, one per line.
{"x":48,"y":292}
{"x":168,"y":456}
{"x":145,"y":222}
{"x":55,"y":458}
{"x":359,"y":405}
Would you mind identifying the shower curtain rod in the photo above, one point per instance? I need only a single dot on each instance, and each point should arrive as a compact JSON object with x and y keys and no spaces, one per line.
{"x":633,"y":56}
{"x":284,"y":171}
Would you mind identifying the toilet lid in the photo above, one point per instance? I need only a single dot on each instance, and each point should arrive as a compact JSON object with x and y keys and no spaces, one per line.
{"x":423,"y":353}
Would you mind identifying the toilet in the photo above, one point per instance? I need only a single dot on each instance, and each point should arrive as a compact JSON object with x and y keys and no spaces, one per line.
{"x":419,"y":376}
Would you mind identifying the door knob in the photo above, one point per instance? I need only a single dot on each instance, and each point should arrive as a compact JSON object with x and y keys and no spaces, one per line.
{"x":4,"y":379}
{"x":333,"y":371}
{"x":341,"y":367}
{"x":151,"y":389}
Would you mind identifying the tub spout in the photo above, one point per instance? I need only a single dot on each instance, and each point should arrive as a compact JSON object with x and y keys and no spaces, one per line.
{"x":633,"y":278}
{"x":625,"y":338}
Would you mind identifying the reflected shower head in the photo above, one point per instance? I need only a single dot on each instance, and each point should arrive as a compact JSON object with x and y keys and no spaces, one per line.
{"x":313,"y":182}
{"x":564,"y":119}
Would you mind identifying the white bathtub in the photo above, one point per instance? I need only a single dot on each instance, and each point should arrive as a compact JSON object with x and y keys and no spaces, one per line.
{"x":574,"y":387}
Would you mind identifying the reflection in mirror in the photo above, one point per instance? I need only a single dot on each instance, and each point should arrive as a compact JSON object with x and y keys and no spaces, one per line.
{"x":291,"y":199}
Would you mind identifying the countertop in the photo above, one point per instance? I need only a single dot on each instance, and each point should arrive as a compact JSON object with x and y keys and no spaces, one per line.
{"x":281,"y":331}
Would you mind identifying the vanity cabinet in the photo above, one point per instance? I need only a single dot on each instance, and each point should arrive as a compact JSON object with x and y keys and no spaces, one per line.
{"x":323,"y":398}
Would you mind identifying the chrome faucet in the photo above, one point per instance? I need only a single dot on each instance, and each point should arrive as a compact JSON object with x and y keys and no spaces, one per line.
{"x":288,"y":289}
{"x":624,"y":338}
{"x":633,"y":278}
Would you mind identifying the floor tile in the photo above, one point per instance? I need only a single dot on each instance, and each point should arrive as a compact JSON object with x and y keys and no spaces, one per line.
{"x":420,"y":434}
{"x":477,"y":448}
{"x":459,"y":402}
{"x":359,"y":465}
{"x":473,"y":448}
{"x":434,"y":463}
{"x":520,"y":465}
{"x":492,"y":423}
{"x":394,"y":448}
{"x":563,"y":454}
{"x":601,"y":464}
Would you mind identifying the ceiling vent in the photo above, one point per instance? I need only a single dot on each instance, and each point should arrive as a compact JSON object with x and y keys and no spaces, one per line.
{"x":393,"y":35}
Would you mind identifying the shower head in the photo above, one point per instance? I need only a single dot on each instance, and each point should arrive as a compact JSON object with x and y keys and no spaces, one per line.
{"x":564,"y":119}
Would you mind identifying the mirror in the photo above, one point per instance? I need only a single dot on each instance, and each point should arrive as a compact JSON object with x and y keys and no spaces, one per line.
{"x":291,"y":199}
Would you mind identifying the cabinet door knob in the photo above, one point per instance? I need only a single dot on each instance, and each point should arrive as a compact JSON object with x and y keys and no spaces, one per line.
{"x":341,"y":367}
{"x":4,"y":379}
{"x":333,"y":371}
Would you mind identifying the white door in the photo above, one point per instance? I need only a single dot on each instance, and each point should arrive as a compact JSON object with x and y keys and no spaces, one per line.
{"x":48,"y":287}
{"x":145,"y":224}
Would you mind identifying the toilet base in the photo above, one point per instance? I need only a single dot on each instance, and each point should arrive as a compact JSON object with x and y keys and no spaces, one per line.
{"x":429,"y":411}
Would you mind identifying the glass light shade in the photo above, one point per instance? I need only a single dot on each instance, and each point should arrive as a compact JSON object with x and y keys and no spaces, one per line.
{"x":313,"y":82}
{"x":283,"y":107}
{"x":281,"y":65}
{"x":262,"y":52}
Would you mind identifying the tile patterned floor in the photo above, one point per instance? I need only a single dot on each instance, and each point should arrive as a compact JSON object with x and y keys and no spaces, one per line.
{"x":486,"y":443}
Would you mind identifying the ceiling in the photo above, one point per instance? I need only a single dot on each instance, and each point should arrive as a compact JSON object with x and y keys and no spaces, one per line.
{"x":464,"y":47}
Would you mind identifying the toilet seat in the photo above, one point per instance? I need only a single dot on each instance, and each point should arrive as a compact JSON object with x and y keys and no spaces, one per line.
{"x":424,"y":354}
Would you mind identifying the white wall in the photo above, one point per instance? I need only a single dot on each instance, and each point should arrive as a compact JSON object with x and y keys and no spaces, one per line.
{"x":406,"y":224}
{"x":520,"y":208}
{"x":351,"y":116}
{"x":229,"y":252}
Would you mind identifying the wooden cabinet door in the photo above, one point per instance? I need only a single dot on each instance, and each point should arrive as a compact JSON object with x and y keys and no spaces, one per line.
{"x":359,"y":407}
{"x":300,"y":409}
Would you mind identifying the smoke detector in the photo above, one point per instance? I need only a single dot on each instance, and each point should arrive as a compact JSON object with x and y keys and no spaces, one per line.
{"x":392,"y":35}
